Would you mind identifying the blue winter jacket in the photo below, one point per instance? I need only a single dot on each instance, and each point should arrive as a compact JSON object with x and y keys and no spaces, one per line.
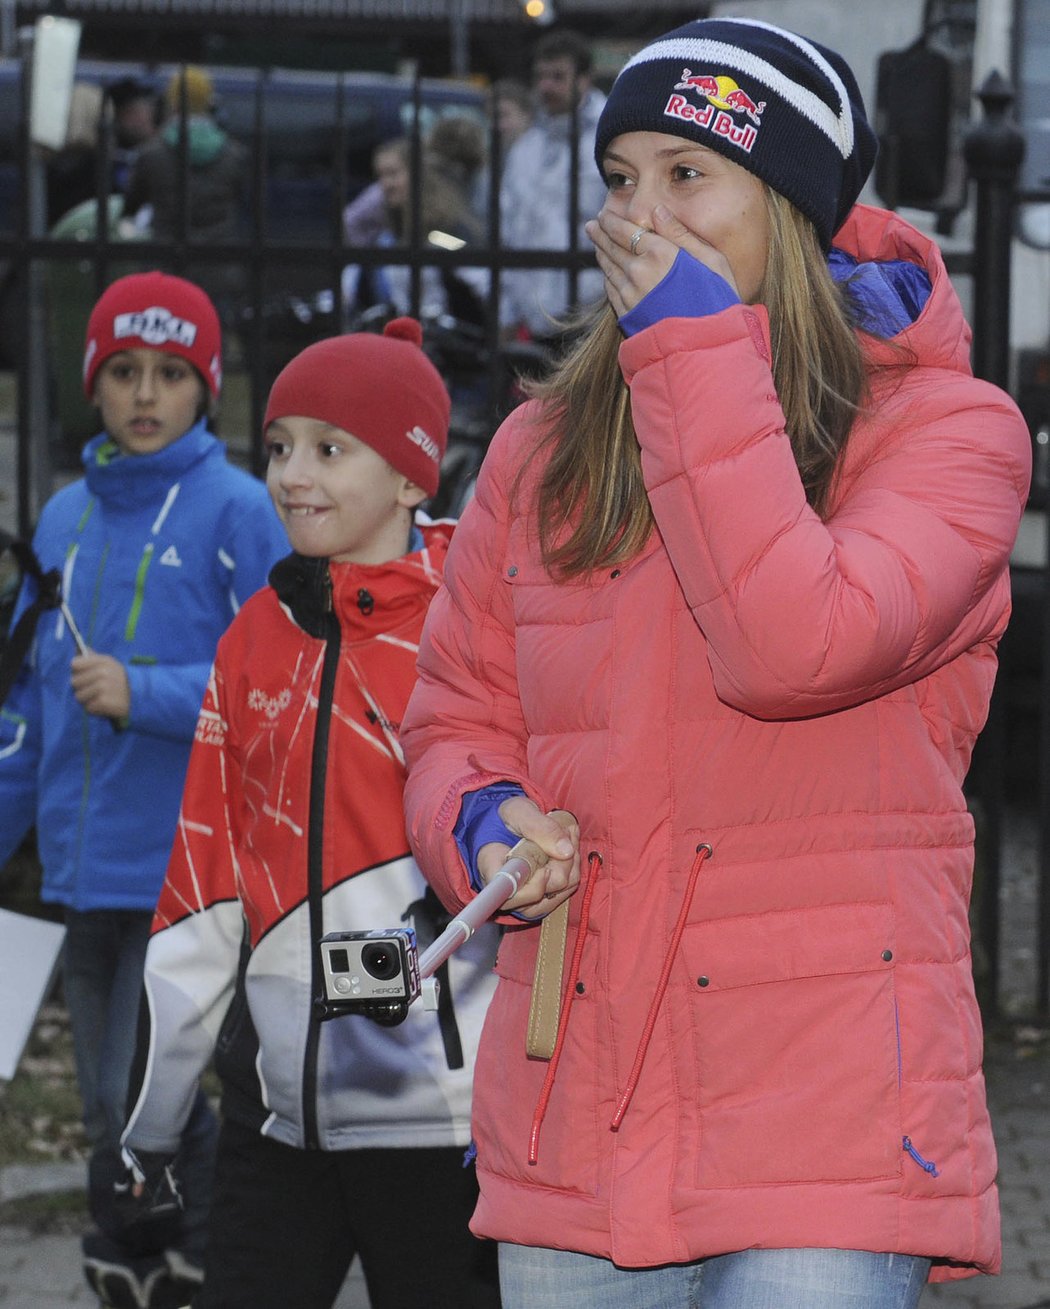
{"x":157,"y":553}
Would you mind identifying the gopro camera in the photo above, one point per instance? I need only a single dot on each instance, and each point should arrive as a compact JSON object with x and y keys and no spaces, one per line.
{"x":372,"y":973}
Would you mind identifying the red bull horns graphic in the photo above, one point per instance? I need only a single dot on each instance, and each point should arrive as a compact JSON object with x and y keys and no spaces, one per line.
{"x":724,"y":100}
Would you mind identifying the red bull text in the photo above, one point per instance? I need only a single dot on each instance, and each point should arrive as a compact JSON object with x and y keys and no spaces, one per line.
{"x":715,"y":120}
{"x":724,"y":100}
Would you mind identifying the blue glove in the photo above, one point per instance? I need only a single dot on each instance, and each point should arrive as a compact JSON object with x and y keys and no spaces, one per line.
{"x":479,"y":824}
{"x":689,"y":289}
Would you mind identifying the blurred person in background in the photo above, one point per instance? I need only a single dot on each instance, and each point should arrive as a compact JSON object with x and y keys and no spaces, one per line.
{"x":136,"y":117}
{"x":511,"y":102}
{"x":157,"y":545}
{"x":446,"y":222}
{"x":215,"y":183}
{"x":457,"y":146}
{"x":339,"y":1138}
{"x":72,"y":171}
{"x":536,"y":189}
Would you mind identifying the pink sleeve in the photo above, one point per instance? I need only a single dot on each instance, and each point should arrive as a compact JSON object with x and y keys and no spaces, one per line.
{"x":803,"y":616}
{"x":463,"y":728}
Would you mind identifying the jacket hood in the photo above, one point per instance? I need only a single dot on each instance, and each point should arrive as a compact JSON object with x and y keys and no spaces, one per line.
{"x":117,"y":478}
{"x":939,"y":335}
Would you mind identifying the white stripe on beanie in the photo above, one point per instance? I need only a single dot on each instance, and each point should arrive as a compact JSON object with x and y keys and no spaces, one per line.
{"x":837,"y":128}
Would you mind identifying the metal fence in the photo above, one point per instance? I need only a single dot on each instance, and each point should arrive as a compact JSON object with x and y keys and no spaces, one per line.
{"x":287,"y":288}
{"x":264,"y":259}
{"x":994,"y":151}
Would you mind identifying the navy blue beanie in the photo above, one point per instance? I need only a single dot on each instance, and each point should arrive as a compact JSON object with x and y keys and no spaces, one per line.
{"x":780,"y":105}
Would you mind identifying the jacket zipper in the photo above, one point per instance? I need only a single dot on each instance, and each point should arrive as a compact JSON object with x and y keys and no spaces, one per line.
{"x":131,"y":627}
{"x":85,"y":717}
{"x":315,"y":873}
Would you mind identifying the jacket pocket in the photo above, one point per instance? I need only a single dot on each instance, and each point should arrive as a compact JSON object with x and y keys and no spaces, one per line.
{"x":796,"y":1046}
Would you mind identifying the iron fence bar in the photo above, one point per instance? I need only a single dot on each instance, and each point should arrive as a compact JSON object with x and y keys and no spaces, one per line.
{"x":993,"y":151}
{"x":238,"y":248}
{"x":102,"y":175}
{"x":182,"y":170}
{"x":493,"y":223}
{"x":416,"y":235}
{"x":574,"y":189}
{"x":1041,"y":195}
{"x":341,"y":196}
{"x":20,"y":256}
{"x":256,"y":267}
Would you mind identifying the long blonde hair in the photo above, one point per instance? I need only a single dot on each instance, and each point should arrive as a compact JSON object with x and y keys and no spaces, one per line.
{"x":595,"y":510}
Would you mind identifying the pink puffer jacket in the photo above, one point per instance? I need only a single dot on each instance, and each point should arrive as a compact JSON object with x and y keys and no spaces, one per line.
{"x":803,"y":696}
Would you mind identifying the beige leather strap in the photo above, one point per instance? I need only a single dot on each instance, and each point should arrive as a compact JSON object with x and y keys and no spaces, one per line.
{"x":545,"y":1005}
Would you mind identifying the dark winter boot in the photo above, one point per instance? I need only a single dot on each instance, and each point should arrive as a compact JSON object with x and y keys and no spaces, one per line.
{"x":125,"y":1281}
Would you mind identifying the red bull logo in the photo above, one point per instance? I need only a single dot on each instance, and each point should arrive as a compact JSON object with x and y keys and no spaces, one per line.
{"x":725,"y":100}
{"x":704,"y":84}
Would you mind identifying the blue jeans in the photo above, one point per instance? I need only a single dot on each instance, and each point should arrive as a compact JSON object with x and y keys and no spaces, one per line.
{"x":533,"y":1278}
{"x":103,"y":961}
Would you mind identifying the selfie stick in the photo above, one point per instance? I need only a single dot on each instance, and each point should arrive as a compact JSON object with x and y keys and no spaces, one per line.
{"x":521,"y":862}
{"x":81,"y":645}
{"x":74,"y":631}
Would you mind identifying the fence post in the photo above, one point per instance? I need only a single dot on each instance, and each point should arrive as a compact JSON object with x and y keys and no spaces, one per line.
{"x":34,"y":428}
{"x":993,"y":150}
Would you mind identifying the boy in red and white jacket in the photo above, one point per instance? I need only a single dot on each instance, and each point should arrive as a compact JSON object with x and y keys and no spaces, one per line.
{"x":339,"y":1137}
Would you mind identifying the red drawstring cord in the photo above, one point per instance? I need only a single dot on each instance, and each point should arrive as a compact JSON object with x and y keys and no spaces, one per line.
{"x":594,"y":858}
{"x":703,"y":851}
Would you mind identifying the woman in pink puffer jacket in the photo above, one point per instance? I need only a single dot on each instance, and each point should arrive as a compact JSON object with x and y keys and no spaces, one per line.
{"x":730,"y":593}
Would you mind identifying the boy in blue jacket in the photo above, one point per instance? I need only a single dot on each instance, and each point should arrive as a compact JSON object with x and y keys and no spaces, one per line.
{"x":158,"y":545}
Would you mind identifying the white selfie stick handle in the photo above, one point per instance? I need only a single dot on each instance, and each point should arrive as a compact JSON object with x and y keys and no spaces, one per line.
{"x":521,"y":862}
{"x":480,"y":910}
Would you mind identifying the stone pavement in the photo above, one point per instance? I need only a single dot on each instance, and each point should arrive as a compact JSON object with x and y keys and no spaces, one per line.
{"x":43,"y":1272}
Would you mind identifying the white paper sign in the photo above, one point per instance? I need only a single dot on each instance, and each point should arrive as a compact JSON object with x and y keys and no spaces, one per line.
{"x":55,"y":46}
{"x":29,"y":950}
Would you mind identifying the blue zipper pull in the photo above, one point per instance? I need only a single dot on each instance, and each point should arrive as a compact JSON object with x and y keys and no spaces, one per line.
{"x":470,"y":1154}
{"x":924,"y":1164}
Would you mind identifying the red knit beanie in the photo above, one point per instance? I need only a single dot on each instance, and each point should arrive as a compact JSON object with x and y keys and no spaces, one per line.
{"x":381,"y":389}
{"x":155,"y":311}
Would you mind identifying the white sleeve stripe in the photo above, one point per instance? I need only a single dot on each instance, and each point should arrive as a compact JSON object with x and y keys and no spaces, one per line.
{"x":16,"y":744}
{"x":169,"y":500}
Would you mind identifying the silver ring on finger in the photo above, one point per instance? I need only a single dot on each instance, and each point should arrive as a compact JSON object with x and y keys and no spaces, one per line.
{"x":636,"y":237}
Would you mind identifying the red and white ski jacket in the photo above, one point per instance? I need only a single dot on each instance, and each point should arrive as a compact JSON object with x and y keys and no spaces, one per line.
{"x":291,"y":826}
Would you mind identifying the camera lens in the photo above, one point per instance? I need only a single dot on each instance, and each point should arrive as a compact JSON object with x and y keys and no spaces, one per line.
{"x":381,"y":961}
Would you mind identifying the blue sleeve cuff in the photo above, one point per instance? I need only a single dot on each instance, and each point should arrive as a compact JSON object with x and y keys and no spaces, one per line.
{"x":479,"y":824}
{"x":689,"y":289}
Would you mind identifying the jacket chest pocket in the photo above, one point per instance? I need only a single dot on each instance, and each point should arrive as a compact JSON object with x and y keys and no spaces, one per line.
{"x":796,"y":1046}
